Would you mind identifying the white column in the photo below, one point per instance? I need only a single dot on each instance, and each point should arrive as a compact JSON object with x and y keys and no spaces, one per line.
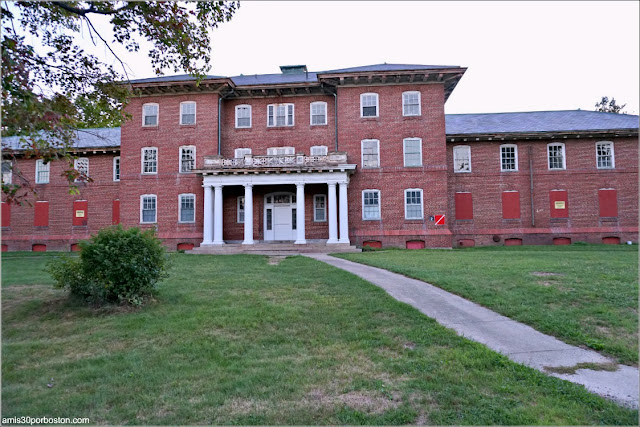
{"x":344,"y":214}
{"x":333,"y":214}
{"x":207,"y":224}
{"x":300,"y":238}
{"x":248,"y":214}
{"x":217,"y":216}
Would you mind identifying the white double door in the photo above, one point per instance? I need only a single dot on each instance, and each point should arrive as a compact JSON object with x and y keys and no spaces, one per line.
{"x":280,"y":216}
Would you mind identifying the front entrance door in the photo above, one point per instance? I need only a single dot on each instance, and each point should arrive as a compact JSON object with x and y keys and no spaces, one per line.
{"x":280,"y":216}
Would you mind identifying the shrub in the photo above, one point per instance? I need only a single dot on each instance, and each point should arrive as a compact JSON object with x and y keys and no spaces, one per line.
{"x":115,"y":265}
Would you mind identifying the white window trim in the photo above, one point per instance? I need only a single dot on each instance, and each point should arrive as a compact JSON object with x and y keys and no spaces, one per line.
{"x":238,"y":210}
{"x":326,"y":113}
{"x":9,"y":174}
{"x":516,"y":157}
{"x":235,"y":153}
{"x":315,"y":218}
{"x":419,"y":103}
{"x":180,"y":208}
{"x":180,"y":157}
{"x":75,"y":166}
{"x":116,"y":179}
{"x":362,"y":153}
{"x":195,"y":113}
{"x":250,"y":115}
{"x":362,"y":95}
{"x":157,"y":116}
{"x":142,"y":205}
{"x":142,"y":161}
{"x":293,"y":115}
{"x":404,"y":151}
{"x":323,"y":148}
{"x":291,"y":150}
{"x":379,"y":205}
{"x":421,"y":203}
{"x":48,"y":165}
{"x":564,"y":156}
{"x":613,"y":156}
{"x":457,"y":148}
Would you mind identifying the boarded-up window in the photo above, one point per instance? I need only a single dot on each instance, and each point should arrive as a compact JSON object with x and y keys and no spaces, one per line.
{"x":80,"y":212}
{"x":185,"y":246}
{"x":75,"y":247}
{"x":115,"y":212}
{"x":373,"y":244}
{"x":510,"y":204}
{"x":39,"y":247}
{"x":466,"y":243}
{"x":41,"y":217}
{"x":611,"y":240}
{"x":559,"y":204}
{"x":415,"y":244}
{"x":608,"y":200}
{"x":464,"y":206}
{"x":513,"y":242}
{"x":5,"y":248}
{"x":6,"y":214}
{"x":562,"y":241}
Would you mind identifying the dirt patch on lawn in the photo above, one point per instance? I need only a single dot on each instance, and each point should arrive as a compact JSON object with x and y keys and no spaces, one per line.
{"x":275,"y":260}
{"x":545,"y":274}
{"x":368,"y":402}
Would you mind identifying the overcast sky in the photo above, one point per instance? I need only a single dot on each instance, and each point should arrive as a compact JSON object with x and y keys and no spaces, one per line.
{"x":521,"y":56}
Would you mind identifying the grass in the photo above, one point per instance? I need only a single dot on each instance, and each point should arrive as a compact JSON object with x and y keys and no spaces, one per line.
{"x":585,"y":295}
{"x":235,"y":340}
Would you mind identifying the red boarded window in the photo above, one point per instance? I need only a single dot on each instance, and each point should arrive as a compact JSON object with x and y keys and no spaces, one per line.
{"x":80,"y":212}
{"x":39,"y":248}
{"x":373,"y":244}
{"x":510,"y":205}
{"x":185,"y":246}
{"x":41,"y":217}
{"x":464,"y":206}
{"x":415,"y":244}
{"x":561,"y":241}
{"x":6,"y":214}
{"x":513,"y":242}
{"x":5,"y":248}
{"x":608,"y":202}
{"x":559,"y":204}
{"x":115,"y":212}
{"x":75,"y":247}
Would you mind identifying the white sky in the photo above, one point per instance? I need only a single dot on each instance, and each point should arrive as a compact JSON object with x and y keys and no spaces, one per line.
{"x":521,"y":56}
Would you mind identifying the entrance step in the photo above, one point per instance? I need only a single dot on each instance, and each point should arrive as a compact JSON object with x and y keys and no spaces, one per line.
{"x":274,"y":249}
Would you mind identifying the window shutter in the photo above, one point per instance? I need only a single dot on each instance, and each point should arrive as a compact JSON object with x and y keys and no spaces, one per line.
{"x":510,"y":205}
{"x":608,"y":200}
{"x":41,"y":214}
{"x":464,"y":206}
{"x":115,"y":212}
{"x":6,"y":214}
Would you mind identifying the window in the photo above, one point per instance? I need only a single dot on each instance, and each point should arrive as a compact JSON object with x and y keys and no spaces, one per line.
{"x":412,"y":148}
{"x":369,"y":105}
{"x":149,"y":160}
{"x":187,"y":158}
{"x":510,"y":205}
{"x":42,"y":172}
{"x":370,"y":204}
{"x":319,"y":208}
{"x":508,"y":157}
{"x":604,"y":155}
{"x":370,"y":153}
{"x":240,"y":152}
{"x":243,"y":116}
{"x":413,"y":203}
{"x":319,"y":150}
{"x":559,"y":203}
{"x":148,"y":208}
{"x":411,"y":103}
{"x":608,"y":201}
{"x":281,"y":151}
{"x":81,"y":164}
{"x":150,"y":115}
{"x":187,"y":208}
{"x":7,"y":172}
{"x":462,"y":158}
{"x":318,"y":113}
{"x":464,"y":205}
{"x":116,"y":168}
{"x":241,"y":210}
{"x":188,"y":113}
{"x":279,"y":115}
{"x":556,"y":156}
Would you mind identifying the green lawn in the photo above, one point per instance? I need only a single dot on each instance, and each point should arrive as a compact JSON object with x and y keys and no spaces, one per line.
{"x":585,"y":295}
{"x":235,"y":340}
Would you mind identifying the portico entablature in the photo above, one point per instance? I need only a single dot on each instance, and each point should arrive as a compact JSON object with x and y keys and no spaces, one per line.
{"x":224,"y":178}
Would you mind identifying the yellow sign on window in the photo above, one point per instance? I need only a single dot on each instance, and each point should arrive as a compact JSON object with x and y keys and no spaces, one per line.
{"x":79,"y":214}
{"x":559,"y":205}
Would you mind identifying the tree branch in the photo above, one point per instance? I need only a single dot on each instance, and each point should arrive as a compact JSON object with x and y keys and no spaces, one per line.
{"x":90,"y":9}
{"x":91,"y":27}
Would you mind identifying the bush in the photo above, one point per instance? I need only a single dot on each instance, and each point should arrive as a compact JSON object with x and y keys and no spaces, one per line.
{"x":115,"y":265}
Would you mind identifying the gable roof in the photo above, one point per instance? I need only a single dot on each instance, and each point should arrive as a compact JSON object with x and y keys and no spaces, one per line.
{"x":538,"y":121}
{"x":176,"y":78}
{"x":274,"y":79}
{"x":387,"y":67}
{"x":84,"y":138}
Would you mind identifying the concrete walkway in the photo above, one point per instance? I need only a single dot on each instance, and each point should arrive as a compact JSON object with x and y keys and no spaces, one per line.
{"x":518,"y":342}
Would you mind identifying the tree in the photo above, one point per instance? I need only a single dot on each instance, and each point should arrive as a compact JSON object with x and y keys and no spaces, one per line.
{"x":607,"y":106}
{"x":51,"y":90}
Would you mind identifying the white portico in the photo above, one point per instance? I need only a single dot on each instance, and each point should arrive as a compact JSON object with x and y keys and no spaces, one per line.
{"x":284,"y":211}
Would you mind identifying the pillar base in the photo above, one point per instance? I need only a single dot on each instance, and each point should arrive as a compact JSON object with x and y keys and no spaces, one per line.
{"x":248,"y":242}
{"x":217,"y":243}
{"x":333,"y":242}
{"x":300,"y":242}
{"x":347,"y":241}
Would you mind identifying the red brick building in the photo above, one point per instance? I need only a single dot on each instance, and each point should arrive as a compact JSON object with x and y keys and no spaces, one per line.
{"x":358,"y":156}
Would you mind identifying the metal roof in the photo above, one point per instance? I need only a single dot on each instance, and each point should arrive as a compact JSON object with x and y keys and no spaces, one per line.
{"x":85,"y":138}
{"x":537,"y":121}
{"x":177,"y":78}
{"x":387,"y":67}
{"x":274,"y":79}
